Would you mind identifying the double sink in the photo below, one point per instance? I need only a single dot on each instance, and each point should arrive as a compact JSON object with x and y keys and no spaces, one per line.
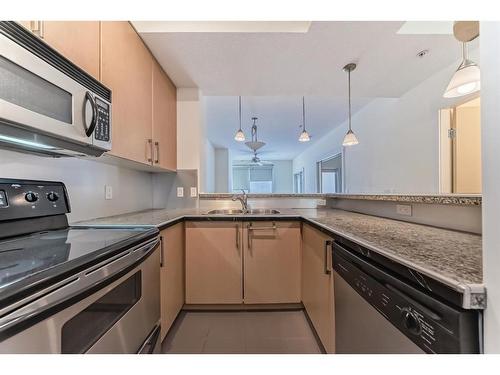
{"x":259,"y":211}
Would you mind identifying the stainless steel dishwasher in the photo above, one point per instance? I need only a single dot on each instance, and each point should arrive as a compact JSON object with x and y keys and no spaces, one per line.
{"x":378,"y":312}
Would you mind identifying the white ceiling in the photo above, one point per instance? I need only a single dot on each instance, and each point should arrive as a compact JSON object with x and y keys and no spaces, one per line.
{"x":272,"y":70}
{"x":227,"y":63}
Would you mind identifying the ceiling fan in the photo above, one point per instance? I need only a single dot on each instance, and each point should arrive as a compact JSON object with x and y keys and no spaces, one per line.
{"x":256,"y":160}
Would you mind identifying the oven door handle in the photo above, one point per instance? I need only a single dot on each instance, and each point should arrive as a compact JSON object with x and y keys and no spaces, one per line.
{"x":76,"y":285}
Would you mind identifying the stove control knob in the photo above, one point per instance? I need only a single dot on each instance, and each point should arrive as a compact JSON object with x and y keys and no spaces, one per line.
{"x":52,"y":196}
{"x":31,"y":197}
{"x":411,"y":321}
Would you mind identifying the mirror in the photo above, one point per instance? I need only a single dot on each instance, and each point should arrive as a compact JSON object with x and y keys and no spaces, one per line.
{"x":412,"y":140}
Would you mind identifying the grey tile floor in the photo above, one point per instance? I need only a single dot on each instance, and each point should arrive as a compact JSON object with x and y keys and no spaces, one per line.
{"x":239,"y":332}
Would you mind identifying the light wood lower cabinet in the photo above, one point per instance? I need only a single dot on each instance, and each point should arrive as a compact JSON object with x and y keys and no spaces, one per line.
{"x":213,"y":263}
{"x":272,"y":262}
{"x":171,"y":275}
{"x":317,"y":284}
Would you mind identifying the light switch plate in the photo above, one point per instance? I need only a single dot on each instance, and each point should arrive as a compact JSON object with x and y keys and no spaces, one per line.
{"x":180,"y":191}
{"x":194,"y":192}
{"x":403,"y":209}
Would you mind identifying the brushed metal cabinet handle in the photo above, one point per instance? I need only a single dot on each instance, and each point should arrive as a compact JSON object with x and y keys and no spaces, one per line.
{"x":237,"y":237}
{"x":149,"y":150}
{"x":162,"y":253}
{"x":325,"y":261}
{"x":157,"y":149}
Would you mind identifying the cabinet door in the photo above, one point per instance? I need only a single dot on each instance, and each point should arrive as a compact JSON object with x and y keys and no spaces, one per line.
{"x":213,"y":263}
{"x":78,"y":41}
{"x":164,"y":119}
{"x":172,"y":275}
{"x":317,"y":285}
{"x":272,"y":262}
{"x":126,"y":68}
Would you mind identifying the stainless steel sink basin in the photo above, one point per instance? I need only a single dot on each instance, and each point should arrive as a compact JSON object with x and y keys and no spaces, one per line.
{"x":263,"y":211}
{"x":225,"y":212}
{"x":257,"y":211}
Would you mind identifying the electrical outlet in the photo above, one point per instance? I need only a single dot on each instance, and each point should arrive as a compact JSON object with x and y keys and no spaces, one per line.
{"x":108,"y":192}
{"x":403,"y":209}
{"x":194,"y":193}
{"x":321,"y":202}
{"x":180,"y":192}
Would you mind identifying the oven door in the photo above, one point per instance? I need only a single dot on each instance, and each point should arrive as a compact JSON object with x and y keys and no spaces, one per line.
{"x":116,"y":318}
{"x":36,"y":95}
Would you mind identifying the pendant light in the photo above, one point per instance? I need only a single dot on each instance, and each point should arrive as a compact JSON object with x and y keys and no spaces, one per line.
{"x":466,"y":79}
{"x":350,"y":138}
{"x":304,"y":136}
{"x":239,"y":136}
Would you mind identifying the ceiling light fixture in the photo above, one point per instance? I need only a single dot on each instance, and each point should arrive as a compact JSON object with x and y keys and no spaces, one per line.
{"x":466,"y":79}
{"x":304,"y":135}
{"x":254,"y":144}
{"x":350,"y":138}
{"x":239,"y":136}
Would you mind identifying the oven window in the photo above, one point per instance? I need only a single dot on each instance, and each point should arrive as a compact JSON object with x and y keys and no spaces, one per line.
{"x":83,"y":330}
{"x":25,"y":89}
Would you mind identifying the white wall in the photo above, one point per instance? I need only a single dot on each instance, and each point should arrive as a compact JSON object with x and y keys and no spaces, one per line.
{"x":490,"y":120}
{"x":85,"y":180}
{"x":189,"y":131}
{"x":207,"y":170}
{"x":283,"y":176}
{"x":398,"y":149}
{"x":223,"y":171}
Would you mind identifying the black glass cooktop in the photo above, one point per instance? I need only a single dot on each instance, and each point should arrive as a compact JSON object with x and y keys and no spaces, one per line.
{"x":28,"y":257}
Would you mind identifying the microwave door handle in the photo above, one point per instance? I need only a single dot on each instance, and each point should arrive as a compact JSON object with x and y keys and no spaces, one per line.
{"x":91,"y":127}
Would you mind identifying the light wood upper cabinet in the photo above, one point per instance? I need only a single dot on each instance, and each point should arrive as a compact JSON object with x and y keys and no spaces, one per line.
{"x":164,"y":119}
{"x":78,"y":41}
{"x":171,"y":275}
{"x":317,"y":284}
{"x":272,"y":262}
{"x":126,"y":68}
{"x":213,"y":263}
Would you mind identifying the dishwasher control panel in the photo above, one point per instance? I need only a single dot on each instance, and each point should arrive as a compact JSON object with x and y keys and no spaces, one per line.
{"x":434,"y":326}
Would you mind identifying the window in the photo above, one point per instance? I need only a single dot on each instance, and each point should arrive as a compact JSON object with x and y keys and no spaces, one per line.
{"x":253,"y":178}
{"x":330,"y":175}
{"x":298,"y":182}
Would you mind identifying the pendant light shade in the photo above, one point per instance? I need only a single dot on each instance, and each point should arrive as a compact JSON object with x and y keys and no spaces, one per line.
{"x":239,"y":136}
{"x":350,"y":138}
{"x":466,"y":79}
{"x":304,"y":135}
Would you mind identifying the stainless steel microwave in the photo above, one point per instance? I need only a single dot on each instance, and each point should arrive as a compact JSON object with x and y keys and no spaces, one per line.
{"x":48,"y":104}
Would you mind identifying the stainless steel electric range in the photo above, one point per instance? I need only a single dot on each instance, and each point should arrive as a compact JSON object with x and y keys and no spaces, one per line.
{"x":70,"y":289}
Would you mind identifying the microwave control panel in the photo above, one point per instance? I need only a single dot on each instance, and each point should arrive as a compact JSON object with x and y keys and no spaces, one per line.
{"x":103,"y":128}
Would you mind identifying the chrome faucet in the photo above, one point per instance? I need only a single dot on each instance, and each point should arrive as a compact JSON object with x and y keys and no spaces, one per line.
{"x":243,"y":198}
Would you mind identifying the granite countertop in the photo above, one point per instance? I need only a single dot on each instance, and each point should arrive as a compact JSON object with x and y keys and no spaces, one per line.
{"x":445,"y":199}
{"x":451,"y":257}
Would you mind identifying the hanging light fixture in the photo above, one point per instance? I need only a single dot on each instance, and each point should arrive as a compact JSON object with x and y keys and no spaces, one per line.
{"x":304,"y":135}
{"x":350,"y":138}
{"x":239,"y":136}
{"x":466,"y":79}
{"x":255,"y":144}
